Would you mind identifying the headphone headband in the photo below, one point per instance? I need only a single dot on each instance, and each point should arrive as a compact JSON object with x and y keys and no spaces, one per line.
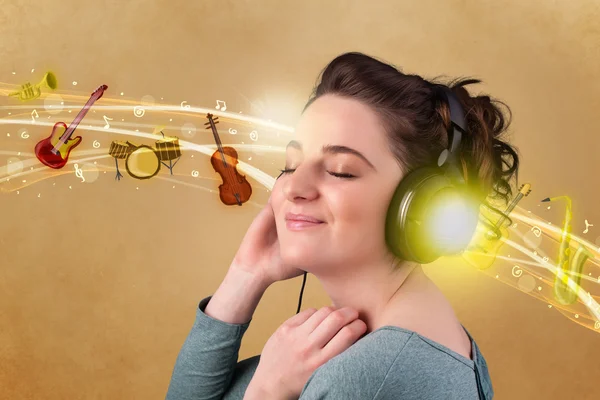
{"x":449,"y":157}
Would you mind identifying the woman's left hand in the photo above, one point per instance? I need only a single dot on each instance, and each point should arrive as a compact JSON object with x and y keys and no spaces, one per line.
{"x":301,"y":345}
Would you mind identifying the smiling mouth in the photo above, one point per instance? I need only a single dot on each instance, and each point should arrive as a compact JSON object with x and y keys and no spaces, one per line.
{"x":295,"y":225}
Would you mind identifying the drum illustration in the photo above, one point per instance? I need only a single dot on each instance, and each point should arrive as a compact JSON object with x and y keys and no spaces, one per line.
{"x":168,"y":150}
{"x":120,"y":150}
{"x":142,"y":163}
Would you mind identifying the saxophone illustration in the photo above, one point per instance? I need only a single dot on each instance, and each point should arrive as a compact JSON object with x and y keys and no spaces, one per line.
{"x":571,"y":269}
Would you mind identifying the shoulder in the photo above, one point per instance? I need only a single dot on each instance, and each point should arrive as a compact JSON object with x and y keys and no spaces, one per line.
{"x":387,"y":362}
{"x":358,"y":372}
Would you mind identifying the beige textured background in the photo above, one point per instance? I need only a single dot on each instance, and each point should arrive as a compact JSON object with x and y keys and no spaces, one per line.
{"x":99,"y":283}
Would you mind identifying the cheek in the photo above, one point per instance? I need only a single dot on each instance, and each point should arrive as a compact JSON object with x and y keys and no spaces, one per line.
{"x":360,"y":209}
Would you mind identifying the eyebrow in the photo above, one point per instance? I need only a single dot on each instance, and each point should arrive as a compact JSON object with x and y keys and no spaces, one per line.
{"x":334,"y":149}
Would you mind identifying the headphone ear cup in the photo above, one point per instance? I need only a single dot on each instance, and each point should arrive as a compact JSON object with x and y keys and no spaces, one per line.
{"x":405,"y":231}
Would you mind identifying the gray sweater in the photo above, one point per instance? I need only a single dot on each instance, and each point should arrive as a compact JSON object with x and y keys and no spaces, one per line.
{"x":388,"y":363}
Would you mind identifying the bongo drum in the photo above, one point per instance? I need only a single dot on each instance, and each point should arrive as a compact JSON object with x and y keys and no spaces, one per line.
{"x":120,"y":150}
{"x":168,"y":149}
{"x":143,"y":162}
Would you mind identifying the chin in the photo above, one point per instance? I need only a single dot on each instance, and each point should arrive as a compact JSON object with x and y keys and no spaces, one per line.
{"x":299,"y":255}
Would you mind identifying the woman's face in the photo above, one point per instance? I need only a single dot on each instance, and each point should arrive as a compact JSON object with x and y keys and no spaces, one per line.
{"x":343,"y":175}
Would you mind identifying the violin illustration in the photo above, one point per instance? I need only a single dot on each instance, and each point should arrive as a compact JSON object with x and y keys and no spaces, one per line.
{"x":235,"y":189}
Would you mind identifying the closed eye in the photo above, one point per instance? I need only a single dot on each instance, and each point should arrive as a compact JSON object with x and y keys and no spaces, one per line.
{"x":337,"y":175}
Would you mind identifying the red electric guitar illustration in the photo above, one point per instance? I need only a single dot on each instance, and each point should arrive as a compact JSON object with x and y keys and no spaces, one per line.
{"x":55,"y":149}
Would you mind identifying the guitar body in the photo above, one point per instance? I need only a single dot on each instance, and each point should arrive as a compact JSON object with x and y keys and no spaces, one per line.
{"x":235,"y":189}
{"x":487,"y":243}
{"x":43,"y":150}
{"x":55,"y":149}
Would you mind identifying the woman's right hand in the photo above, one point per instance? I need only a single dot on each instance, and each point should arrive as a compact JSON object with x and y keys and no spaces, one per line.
{"x":259,"y":253}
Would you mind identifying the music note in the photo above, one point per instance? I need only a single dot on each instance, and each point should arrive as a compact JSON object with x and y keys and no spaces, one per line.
{"x":106,"y":119}
{"x":36,"y":116}
{"x":79,"y":173}
{"x":587,"y":226}
{"x":224,"y":106}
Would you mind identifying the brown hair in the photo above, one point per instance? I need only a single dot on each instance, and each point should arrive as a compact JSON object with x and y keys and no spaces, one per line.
{"x":415,"y":114}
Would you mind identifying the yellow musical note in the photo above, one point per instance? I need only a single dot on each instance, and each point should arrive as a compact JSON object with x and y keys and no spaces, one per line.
{"x":587,"y":226}
{"x":106,"y":119}
{"x":221,"y":107}
{"x":36,"y":116}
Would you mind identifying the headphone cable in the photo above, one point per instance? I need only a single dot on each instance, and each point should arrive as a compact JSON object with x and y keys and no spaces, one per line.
{"x":301,"y":292}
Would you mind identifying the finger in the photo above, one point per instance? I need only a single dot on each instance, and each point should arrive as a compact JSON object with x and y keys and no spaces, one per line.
{"x":300,"y":318}
{"x":345,"y":338}
{"x":316,"y":319}
{"x":331,"y":325}
{"x":264,"y":223}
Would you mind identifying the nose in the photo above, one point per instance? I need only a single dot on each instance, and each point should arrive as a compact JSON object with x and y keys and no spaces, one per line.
{"x":299,"y":185}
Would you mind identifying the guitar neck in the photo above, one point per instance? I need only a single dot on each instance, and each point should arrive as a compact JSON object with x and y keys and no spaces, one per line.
{"x":513,"y":203}
{"x":73,"y":125}
{"x":506,"y":212}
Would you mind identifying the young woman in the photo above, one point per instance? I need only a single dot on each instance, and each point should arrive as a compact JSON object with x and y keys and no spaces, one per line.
{"x":391,"y":333}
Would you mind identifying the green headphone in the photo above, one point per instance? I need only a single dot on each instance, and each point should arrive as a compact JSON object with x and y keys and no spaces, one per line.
{"x":412,"y":210}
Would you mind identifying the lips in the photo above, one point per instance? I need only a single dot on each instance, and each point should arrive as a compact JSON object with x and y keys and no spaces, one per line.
{"x":302,"y":218}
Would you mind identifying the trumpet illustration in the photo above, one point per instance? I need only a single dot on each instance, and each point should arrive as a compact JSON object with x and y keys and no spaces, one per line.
{"x":29,"y":92}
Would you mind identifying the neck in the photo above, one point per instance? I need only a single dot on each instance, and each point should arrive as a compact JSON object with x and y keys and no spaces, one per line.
{"x":372,"y":289}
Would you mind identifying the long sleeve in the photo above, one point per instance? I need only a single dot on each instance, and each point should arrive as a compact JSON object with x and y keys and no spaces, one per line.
{"x":207,"y":361}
